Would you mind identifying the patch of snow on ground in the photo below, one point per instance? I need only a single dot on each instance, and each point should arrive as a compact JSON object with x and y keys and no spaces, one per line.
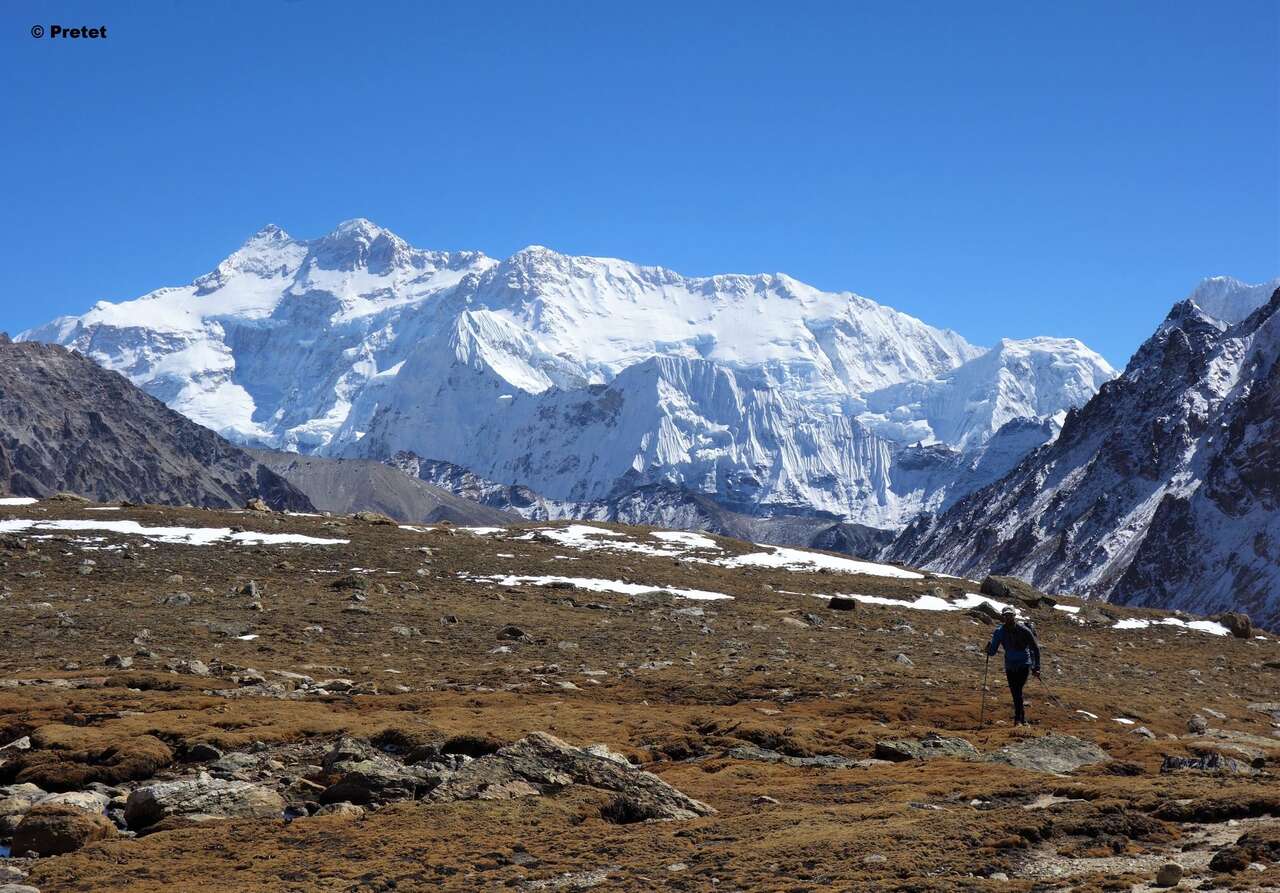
{"x":594,"y":585}
{"x":189,"y":536}
{"x":1204,"y":626}
{"x":692,"y":540}
{"x":1070,"y":609}
{"x":926,"y":602}
{"x":483,"y":531}
{"x":796,"y":559}
{"x":17,"y":500}
{"x":1124,"y":720}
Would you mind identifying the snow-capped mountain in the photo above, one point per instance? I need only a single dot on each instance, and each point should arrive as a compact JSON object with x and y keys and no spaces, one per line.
{"x":1163,"y":490}
{"x":581,"y":377}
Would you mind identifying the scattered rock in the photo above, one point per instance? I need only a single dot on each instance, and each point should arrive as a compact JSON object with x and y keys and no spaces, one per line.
{"x":257,"y":505}
{"x":1050,"y":753}
{"x":53,"y":829}
{"x":119,"y":662}
{"x":1197,"y":724}
{"x":903,"y":659}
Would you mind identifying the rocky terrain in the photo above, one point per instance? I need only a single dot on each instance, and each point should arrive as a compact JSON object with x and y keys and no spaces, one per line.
{"x":66,"y":424}
{"x":228,"y":701}
{"x":1164,"y":489}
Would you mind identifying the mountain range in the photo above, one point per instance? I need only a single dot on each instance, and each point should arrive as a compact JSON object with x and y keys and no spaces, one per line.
{"x":547,"y":386}
{"x":586,"y":378}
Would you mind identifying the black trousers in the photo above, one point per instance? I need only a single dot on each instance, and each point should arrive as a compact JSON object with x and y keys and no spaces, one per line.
{"x":1017,"y":677}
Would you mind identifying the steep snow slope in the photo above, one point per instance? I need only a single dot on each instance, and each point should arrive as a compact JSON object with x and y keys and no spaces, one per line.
{"x":1230,"y":300}
{"x":576,"y":375}
{"x":1163,"y":490}
{"x":1032,"y":379}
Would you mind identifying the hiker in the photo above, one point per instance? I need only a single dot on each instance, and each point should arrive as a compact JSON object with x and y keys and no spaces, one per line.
{"x":1021,"y":657}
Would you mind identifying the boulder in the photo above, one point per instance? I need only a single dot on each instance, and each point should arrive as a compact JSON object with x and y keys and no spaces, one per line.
{"x":764,"y":755}
{"x":1237,"y":622}
{"x":1213,"y":763}
{"x":53,"y":829}
{"x":929,"y":747}
{"x":1012,"y":589}
{"x":201,"y":796}
{"x":541,"y":763}
{"x":1169,"y":875}
{"x":1260,"y":845}
{"x":374,"y":518}
{"x":1050,"y":753}
{"x":15,"y":802}
{"x":363,"y":774}
{"x":257,"y":505}
{"x":86,"y":801}
{"x":342,"y":810}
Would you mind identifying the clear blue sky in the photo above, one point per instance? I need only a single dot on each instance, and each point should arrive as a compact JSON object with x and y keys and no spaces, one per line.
{"x":1005,"y":169}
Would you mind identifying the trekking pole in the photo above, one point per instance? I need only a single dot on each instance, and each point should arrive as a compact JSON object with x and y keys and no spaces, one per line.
{"x":1052,"y":697}
{"x":982,"y":711}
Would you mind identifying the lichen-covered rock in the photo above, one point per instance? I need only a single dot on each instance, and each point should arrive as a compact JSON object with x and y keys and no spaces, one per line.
{"x":203,"y":797}
{"x":15,"y":802}
{"x":929,"y":747}
{"x":541,"y":763}
{"x":363,"y":774}
{"x":1050,"y":753}
{"x":57,"y":828}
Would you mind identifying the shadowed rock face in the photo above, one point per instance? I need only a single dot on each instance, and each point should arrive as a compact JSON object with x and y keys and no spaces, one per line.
{"x":66,"y":424}
{"x":1161,"y":491}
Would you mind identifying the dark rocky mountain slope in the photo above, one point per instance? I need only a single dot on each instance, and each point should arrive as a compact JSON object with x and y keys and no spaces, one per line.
{"x":344,"y":486}
{"x":67,"y":424}
{"x":1163,"y":490}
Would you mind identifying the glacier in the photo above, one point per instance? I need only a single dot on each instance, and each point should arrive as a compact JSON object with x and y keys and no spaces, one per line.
{"x":583,"y":378}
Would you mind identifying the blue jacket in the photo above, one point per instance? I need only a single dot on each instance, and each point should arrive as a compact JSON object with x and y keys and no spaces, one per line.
{"x":1020,"y":647}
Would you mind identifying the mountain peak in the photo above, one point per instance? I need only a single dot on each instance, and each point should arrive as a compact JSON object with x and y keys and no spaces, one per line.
{"x":1230,"y":300}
